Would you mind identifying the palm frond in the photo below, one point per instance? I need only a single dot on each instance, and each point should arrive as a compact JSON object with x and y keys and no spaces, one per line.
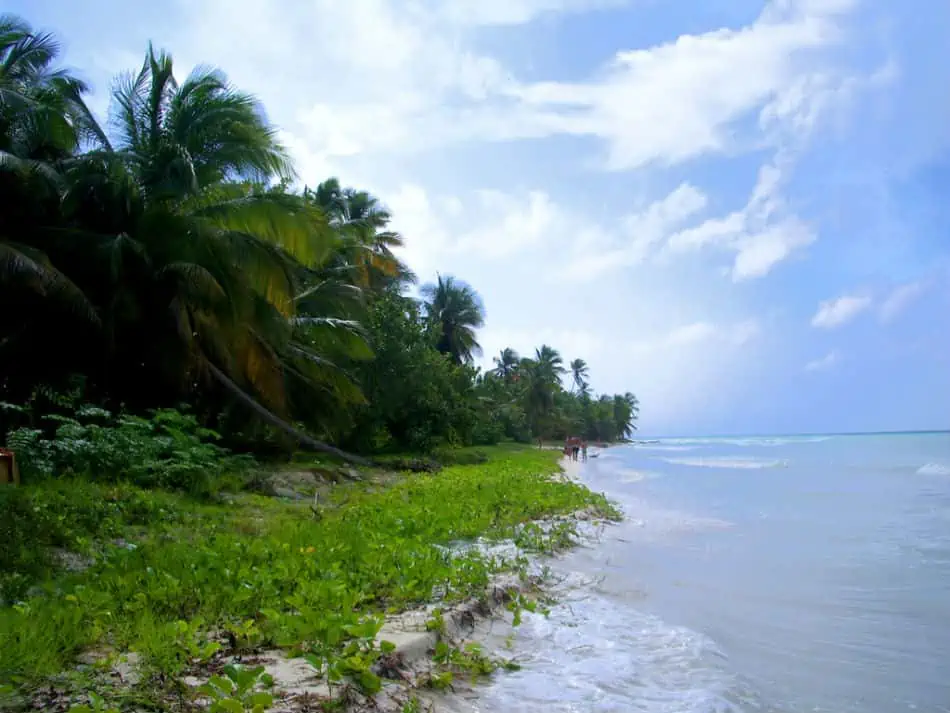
{"x":22,"y":266}
{"x":87,"y":125}
{"x":29,"y":169}
{"x":344,"y":337}
{"x":280,"y":219}
{"x":162,"y":88}
{"x":128,"y":107}
{"x":196,"y":284}
{"x":224,"y":131}
{"x":23,"y":52}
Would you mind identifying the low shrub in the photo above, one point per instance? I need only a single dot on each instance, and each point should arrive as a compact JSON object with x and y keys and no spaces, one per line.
{"x":460,"y":456}
{"x":169,"y":449}
{"x":411,"y":464}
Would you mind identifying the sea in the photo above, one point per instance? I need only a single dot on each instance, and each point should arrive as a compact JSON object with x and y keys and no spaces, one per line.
{"x":799,"y":574}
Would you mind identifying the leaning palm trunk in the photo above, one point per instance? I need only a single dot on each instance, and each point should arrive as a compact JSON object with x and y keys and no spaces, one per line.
{"x":302,"y":438}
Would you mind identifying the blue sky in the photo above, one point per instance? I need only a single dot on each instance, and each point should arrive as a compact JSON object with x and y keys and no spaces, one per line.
{"x":738,"y":210}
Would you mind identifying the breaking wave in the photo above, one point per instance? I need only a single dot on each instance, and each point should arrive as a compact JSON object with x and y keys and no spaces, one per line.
{"x":934,"y":469}
{"x":728,"y":462}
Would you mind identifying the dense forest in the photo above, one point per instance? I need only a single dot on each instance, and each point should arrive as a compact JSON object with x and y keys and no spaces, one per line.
{"x":169,"y":257}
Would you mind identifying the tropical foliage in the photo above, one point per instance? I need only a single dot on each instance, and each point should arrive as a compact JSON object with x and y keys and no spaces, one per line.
{"x":175,"y":301}
{"x":237,"y":578}
{"x":165,"y":256}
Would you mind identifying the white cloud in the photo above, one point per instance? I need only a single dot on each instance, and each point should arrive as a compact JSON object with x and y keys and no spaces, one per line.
{"x":515,"y":223}
{"x":571,"y":342}
{"x":679,"y":100}
{"x":824,"y":363}
{"x":899,"y":299}
{"x":690,"y":334}
{"x":666,"y":368}
{"x":483,"y":225}
{"x":513,"y":12}
{"x":839,"y":311}
{"x":601,"y":249}
{"x":695,"y":334}
{"x":761,"y":234}
{"x":372,"y":76}
{"x":490,"y":224}
{"x":380,"y":92}
{"x":355,"y":83}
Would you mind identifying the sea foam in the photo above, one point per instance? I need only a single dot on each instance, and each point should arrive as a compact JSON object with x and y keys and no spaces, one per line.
{"x":934,"y":469}
{"x":728,"y":462}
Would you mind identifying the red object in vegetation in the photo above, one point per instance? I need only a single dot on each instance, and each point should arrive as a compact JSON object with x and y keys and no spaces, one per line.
{"x":8,"y":470}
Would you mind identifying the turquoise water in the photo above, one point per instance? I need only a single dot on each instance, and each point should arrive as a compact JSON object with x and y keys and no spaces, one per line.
{"x":788,"y":575}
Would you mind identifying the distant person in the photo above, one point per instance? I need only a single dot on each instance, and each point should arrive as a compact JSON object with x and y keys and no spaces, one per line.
{"x":584,"y":450}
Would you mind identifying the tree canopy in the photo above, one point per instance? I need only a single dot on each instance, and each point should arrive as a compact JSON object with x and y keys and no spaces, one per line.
{"x":167,"y":256}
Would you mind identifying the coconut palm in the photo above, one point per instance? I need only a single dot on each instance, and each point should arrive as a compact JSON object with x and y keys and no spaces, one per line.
{"x":43,"y":120}
{"x":192,"y":262}
{"x":454,"y":311}
{"x":42,"y":114}
{"x":506,"y":363}
{"x":199,"y":259}
{"x":362,"y":222}
{"x":550,"y":363}
{"x":542,"y":382}
{"x":625,"y":411}
{"x":579,"y":374}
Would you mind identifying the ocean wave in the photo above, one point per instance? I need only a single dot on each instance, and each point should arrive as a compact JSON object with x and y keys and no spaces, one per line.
{"x":599,"y":653}
{"x":934,"y":469}
{"x":766,"y":441}
{"x":728,"y":462}
{"x":664,"y":447}
{"x":630,"y":475}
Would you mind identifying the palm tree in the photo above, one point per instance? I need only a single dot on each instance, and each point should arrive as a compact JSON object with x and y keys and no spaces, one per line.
{"x":625,"y":410}
{"x":42,"y":114}
{"x":542,"y":376}
{"x":550,"y":363}
{"x":43,"y":120}
{"x":199,"y":259}
{"x":633,"y":402}
{"x":506,"y":363}
{"x":454,"y":311}
{"x":362,"y":222}
{"x":193,"y":264}
{"x":579,"y":374}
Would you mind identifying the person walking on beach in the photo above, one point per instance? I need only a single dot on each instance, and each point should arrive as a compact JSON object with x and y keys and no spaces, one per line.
{"x":575,"y":447}
{"x":584,"y":451}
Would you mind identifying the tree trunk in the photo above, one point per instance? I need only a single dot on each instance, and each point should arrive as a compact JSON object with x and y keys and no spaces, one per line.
{"x":302,"y":438}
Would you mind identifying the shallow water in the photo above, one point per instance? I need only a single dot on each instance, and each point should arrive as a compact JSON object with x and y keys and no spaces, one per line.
{"x":783,"y":575}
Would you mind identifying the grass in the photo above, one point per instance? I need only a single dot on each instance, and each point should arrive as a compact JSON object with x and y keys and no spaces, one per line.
{"x":265,"y":572}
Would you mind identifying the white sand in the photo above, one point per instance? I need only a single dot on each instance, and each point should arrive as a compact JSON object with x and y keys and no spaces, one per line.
{"x":571,"y":468}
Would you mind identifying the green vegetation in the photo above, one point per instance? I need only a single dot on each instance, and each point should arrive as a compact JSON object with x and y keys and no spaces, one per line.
{"x":188,"y":315}
{"x":211,"y":578}
{"x":167,"y":257}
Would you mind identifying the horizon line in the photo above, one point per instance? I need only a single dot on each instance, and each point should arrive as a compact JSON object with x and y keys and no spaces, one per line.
{"x":793,"y":435}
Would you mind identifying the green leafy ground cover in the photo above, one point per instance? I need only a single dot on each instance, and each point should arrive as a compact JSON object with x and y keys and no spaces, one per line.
{"x":189,"y":579}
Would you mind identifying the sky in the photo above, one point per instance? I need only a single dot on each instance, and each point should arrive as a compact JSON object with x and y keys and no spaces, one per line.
{"x":737,"y":210}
